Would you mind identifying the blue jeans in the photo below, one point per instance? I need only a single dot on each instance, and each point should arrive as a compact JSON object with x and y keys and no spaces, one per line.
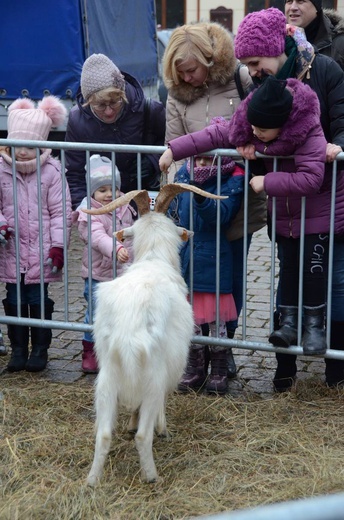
{"x":88,"y":336}
{"x":30,"y":293}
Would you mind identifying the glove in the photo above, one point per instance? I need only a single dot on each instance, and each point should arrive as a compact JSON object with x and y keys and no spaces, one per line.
{"x":55,"y":259}
{"x":5,"y":233}
{"x":198,"y":198}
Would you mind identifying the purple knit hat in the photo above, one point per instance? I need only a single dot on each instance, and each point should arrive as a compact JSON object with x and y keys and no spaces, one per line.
{"x":261,"y":33}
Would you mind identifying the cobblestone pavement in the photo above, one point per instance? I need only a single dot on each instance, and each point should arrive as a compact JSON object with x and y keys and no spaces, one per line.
{"x":255,"y":368}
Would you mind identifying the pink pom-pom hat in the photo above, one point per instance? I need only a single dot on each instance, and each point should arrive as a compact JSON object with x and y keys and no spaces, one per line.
{"x":29,"y":123}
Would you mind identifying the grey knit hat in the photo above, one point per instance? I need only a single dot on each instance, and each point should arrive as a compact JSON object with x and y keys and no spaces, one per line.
{"x":101,"y":173}
{"x":98,"y":73}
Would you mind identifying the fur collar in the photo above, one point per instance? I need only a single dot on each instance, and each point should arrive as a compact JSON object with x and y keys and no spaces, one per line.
{"x":336,"y":20}
{"x":220,"y":73}
{"x":305,"y":115}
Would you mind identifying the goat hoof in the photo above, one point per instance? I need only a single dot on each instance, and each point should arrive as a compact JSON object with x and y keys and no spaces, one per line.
{"x":153,"y":478}
{"x":92,"y":480}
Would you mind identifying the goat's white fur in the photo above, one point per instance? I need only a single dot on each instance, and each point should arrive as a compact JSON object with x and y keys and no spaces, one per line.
{"x":142,"y":328}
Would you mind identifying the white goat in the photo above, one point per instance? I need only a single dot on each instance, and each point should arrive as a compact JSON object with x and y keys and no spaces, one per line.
{"x":142,"y":328}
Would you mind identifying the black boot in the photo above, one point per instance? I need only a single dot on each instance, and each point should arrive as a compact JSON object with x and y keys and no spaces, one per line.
{"x":286,"y":335}
{"x":218,"y":379}
{"x":313,"y":338}
{"x":286,"y":366}
{"x":19,"y":338}
{"x":285,"y":372}
{"x":40,"y":339}
{"x":231,"y":366}
{"x":196,"y":370}
{"x":334,"y":371}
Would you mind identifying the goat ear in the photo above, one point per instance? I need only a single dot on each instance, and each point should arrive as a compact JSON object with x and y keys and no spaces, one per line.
{"x":124,"y":233}
{"x":185,"y":234}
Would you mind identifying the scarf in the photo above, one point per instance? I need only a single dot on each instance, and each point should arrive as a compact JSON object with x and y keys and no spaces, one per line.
{"x":204,"y":173}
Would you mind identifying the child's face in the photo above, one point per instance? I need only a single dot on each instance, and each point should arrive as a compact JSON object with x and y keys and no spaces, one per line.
{"x":22,"y":153}
{"x":204,"y":161}
{"x":265,"y":134}
{"x":103,"y":195}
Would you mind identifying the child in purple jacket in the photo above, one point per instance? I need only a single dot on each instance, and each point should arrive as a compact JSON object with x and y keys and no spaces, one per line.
{"x":102,"y":241}
{"x":282,"y":118}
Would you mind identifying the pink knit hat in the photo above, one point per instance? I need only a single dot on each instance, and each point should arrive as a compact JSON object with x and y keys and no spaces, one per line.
{"x":98,"y":73}
{"x":29,"y":123}
{"x":261,"y":33}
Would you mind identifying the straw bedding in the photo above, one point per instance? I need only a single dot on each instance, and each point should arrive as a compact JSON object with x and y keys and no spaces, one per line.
{"x":225,"y":453}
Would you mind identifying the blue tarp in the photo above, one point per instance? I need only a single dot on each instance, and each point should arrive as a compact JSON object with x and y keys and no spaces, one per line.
{"x":42,"y":48}
{"x":124,"y":30}
{"x":44,"y":43}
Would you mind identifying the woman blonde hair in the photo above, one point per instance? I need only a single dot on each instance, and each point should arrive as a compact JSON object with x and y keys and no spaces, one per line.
{"x":187,"y":41}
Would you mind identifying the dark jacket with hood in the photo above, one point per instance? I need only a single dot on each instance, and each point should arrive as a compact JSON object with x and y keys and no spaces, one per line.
{"x":304,"y":175}
{"x":327,"y":35}
{"x":204,"y":227}
{"x":84,"y":127}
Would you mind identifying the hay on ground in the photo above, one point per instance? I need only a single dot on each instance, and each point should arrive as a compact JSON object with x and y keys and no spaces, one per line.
{"x":225,"y":453}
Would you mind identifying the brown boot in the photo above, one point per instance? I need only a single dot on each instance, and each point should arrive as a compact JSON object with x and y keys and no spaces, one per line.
{"x":89,"y":361}
{"x":218,"y":379}
{"x":196,"y":369}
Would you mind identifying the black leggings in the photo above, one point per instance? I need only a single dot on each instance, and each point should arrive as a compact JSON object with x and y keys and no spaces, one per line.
{"x":314,"y":269}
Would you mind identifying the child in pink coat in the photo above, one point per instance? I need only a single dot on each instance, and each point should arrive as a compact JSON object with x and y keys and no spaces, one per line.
{"x":40,"y":213}
{"x":100,"y":179}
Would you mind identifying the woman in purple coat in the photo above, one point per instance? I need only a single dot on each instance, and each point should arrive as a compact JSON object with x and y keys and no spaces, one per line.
{"x":282,"y":118}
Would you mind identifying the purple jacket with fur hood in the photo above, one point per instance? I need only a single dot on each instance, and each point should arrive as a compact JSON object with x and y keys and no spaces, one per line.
{"x":301,"y":137}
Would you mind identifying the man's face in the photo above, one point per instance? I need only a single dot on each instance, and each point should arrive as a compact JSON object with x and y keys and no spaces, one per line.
{"x":300,"y":12}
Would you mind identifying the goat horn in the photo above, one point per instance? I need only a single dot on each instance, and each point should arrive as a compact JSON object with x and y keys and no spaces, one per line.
{"x":169,"y":191}
{"x":141,"y":198}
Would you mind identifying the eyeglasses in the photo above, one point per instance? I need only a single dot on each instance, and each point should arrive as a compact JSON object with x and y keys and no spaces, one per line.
{"x":101,"y":107}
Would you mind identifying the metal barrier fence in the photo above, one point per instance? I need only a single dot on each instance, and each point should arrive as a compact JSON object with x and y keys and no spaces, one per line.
{"x":138,"y":150}
{"x":320,"y":508}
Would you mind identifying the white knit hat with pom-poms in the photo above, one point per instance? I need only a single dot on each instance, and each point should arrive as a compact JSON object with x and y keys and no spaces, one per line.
{"x":29,"y":123}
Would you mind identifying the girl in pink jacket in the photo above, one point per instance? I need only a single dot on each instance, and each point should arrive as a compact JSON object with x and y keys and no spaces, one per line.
{"x":38,"y":190}
{"x":100,"y":181}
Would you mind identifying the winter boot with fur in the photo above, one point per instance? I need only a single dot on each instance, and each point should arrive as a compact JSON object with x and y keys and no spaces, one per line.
{"x":313,"y":338}
{"x":286,"y":335}
{"x":334,"y":371}
{"x":218,"y":379}
{"x":89,"y":360}
{"x":19,"y":338}
{"x":196,"y":370}
{"x":40,"y":338}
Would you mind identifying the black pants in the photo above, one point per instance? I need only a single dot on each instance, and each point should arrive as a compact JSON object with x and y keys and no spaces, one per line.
{"x":314,"y":269}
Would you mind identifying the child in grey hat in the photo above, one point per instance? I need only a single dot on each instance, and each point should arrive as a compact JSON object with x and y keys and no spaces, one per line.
{"x":100,"y":179}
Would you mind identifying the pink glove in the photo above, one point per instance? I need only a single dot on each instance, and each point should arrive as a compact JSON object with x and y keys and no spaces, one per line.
{"x":55,"y":259}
